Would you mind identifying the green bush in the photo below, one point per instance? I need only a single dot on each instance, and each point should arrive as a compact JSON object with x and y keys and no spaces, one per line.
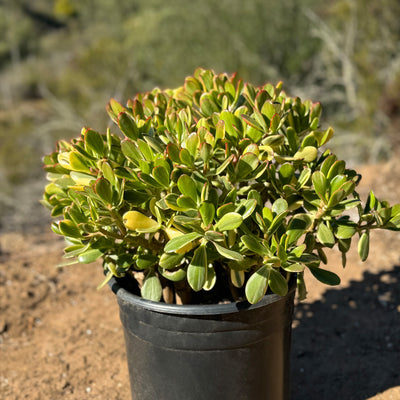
{"x":214,"y":185}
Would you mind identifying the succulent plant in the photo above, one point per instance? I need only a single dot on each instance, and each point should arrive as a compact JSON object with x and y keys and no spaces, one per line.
{"x":216,"y":186}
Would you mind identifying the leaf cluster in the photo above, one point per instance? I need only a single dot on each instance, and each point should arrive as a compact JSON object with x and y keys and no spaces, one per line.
{"x":216,"y":179}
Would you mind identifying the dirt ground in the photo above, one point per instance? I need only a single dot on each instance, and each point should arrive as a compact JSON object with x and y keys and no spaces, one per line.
{"x":60,"y":338}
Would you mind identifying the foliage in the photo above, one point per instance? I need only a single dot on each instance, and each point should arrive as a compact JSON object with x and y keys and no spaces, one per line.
{"x":214,"y":180}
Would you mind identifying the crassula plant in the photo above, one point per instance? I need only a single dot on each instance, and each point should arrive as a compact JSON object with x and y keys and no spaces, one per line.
{"x":214,"y":191}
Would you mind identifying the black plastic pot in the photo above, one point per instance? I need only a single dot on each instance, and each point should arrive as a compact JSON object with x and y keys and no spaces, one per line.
{"x":233,"y":351}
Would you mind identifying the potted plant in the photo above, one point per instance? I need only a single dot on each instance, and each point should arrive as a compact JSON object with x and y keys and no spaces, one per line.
{"x":206,"y":209}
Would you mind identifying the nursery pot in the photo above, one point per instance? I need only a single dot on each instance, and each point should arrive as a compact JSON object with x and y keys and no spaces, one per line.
{"x":234,"y":351}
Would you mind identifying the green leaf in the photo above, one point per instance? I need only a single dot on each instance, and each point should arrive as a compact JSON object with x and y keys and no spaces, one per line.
{"x":145,"y":261}
{"x":304,"y":177}
{"x":69,"y":229}
{"x":114,"y":109}
{"x":255,"y":245}
{"x":78,"y":162}
{"x":211,"y":278}
{"x":345,"y":231}
{"x":90,"y":256}
{"x":229,"y":221}
{"x":320,"y":185}
{"x":237,"y":278}
{"x":227,"y":253}
{"x":104,"y":190}
{"x":337,"y":168}
{"x":128,"y":126}
{"x":108,"y":172}
{"x":231,"y":121}
{"x":130,"y":151}
{"x":277,"y":283}
{"x":274,"y":124}
{"x":257,"y":284}
{"x":286,"y":173}
{"x":161,"y":175}
{"x":247,"y":163}
{"x":308,"y":154}
{"x":295,"y":267}
{"x":151,"y":289}
{"x":224,"y":165}
{"x":325,"y":235}
{"x":179,"y":242}
{"x":145,"y":149}
{"x":336,"y":198}
{"x":207,"y":212}
{"x":149,"y":180}
{"x":174,"y":276}
{"x":185,"y":202}
{"x":173,"y":152}
{"x":94,"y":142}
{"x":280,"y":205}
{"x":170,"y":260}
{"x":326,"y":277}
{"x":187,"y":186}
{"x":197,"y":269}
{"x":247,"y":207}
{"x":214,"y":236}
{"x":363,"y":246}
{"x":277,"y":222}
{"x":186,"y":158}
{"x":337,"y":182}
{"x":298,"y":225}
{"x":192,"y":143}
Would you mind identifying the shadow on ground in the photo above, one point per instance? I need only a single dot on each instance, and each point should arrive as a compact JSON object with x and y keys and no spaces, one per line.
{"x":347,"y":345}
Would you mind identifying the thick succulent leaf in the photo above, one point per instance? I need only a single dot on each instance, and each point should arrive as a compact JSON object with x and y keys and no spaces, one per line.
{"x":325,"y":235}
{"x":187,"y":186}
{"x":279,"y":206}
{"x":320,"y":185}
{"x":298,"y":225}
{"x":179,"y":242}
{"x":174,"y":276}
{"x":247,"y":163}
{"x":237,"y":278}
{"x":161,"y":175}
{"x":151,"y":289}
{"x":295,"y":267}
{"x":229,"y":221}
{"x":304,"y":177}
{"x":232,"y":123}
{"x":68,"y":228}
{"x":128,"y":126}
{"x":337,"y":168}
{"x":89,"y":256}
{"x":211,"y":278}
{"x":363,"y":246}
{"x":345,"y":230}
{"x":307,"y":154}
{"x":257,"y":284}
{"x":94,"y":142}
{"x":197,"y":269}
{"x":255,"y":245}
{"x":207,"y":212}
{"x":145,"y":261}
{"x":170,"y":260}
{"x":186,"y":203}
{"x":227,"y":253}
{"x":277,"y":282}
{"x":326,"y":277}
{"x":104,"y":190}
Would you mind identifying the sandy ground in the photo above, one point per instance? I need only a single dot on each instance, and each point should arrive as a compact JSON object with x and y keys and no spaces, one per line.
{"x":60,"y":338}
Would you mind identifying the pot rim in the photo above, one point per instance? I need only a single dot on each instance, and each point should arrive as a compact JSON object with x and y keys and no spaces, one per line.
{"x":196,"y":309}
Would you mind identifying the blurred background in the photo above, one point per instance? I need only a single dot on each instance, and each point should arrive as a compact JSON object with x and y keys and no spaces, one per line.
{"x":62,"y":60}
